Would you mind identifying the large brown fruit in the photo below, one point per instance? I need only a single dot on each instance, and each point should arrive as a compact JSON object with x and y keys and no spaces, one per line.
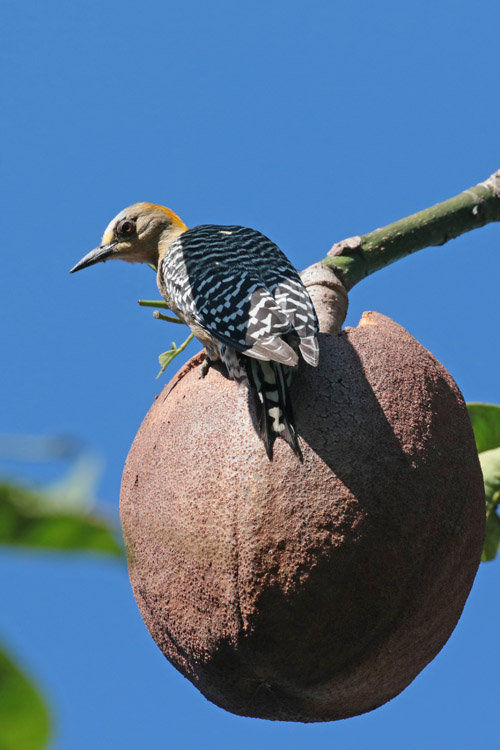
{"x":307,"y":591}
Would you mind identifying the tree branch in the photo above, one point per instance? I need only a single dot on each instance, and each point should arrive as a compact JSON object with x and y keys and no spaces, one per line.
{"x":357,"y":257}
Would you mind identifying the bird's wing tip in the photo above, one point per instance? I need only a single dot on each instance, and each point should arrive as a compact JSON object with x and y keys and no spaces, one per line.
{"x":309,"y":349}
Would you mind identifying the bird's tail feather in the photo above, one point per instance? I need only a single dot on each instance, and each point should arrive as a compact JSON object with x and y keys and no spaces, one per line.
{"x":269,"y":389}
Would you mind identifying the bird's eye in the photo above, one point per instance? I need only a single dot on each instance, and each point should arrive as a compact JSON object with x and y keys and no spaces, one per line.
{"x":125,"y":228}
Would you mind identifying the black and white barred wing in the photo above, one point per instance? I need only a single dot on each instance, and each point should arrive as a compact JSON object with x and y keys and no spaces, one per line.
{"x":294,"y":300}
{"x":287,"y":288}
{"x":239,"y":287}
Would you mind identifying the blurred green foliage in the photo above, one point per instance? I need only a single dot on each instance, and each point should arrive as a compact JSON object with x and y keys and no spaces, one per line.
{"x":24,"y":719}
{"x":60,"y":517}
{"x":28,"y":518}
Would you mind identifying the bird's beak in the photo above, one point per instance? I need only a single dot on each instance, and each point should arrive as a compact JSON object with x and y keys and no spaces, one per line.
{"x":98,"y":255}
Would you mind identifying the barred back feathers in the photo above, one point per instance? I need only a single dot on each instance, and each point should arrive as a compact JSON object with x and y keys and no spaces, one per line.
{"x":246,"y":302}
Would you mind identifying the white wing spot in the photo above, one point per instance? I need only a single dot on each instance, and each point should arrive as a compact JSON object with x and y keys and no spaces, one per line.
{"x":275,"y":414}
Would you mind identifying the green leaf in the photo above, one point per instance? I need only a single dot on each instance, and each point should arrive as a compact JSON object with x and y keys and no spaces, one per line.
{"x":165,"y":358}
{"x":24,"y":720}
{"x":485,"y":420}
{"x":490,"y":466}
{"x":29,"y":518}
{"x":492,"y":540}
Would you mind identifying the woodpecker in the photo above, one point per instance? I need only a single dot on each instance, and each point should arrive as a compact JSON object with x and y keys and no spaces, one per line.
{"x":239,"y":294}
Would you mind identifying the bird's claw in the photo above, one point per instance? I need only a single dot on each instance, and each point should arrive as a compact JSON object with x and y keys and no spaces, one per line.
{"x":205,"y":367}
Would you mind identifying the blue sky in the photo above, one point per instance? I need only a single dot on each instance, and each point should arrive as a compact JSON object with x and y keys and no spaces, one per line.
{"x":311,"y":122}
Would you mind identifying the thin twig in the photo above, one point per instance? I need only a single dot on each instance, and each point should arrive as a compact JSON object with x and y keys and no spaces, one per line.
{"x":170,"y":318}
{"x":153,"y":303}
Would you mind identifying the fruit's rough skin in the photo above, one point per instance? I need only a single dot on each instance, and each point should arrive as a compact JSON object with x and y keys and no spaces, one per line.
{"x":318,"y":590}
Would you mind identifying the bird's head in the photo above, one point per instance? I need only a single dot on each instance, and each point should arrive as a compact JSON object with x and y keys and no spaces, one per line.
{"x":134,"y":235}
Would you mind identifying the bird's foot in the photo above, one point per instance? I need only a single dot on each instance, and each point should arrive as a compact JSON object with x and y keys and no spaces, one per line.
{"x":205,"y":367}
